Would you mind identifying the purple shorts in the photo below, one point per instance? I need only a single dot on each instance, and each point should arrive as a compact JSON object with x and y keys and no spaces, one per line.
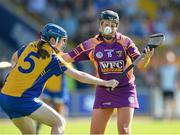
{"x":119,"y":97}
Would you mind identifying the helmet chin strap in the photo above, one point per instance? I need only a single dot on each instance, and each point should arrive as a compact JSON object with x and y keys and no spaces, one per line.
{"x":57,"y":40}
{"x":53,"y":45}
{"x":107,"y":37}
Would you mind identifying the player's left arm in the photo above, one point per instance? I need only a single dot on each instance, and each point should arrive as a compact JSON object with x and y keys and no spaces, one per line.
{"x":81,"y":52}
{"x":134,"y":53}
{"x":16,"y":56}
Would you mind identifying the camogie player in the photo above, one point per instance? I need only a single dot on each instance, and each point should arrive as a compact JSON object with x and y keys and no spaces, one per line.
{"x":34,"y":64}
{"x":111,"y":52}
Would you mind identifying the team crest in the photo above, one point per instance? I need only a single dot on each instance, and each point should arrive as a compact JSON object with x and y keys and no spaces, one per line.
{"x":99,"y":55}
{"x":119,"y":53}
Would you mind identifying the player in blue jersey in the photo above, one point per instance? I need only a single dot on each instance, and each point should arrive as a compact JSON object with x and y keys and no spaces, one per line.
{"x":33,"y":65}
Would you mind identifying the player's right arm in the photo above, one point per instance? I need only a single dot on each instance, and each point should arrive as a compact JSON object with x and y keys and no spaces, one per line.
{"x":81,"y":52}
{"x":14,"y":59}
{"x":16,"y":55}
{"x":89,"y":79}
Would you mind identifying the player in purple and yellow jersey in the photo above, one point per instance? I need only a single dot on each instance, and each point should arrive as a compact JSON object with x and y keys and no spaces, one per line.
{"x":34,"y":64}
{"x":111,"y":52}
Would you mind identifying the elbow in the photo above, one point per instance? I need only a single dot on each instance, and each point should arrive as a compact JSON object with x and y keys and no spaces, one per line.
{"x":80,"y":77}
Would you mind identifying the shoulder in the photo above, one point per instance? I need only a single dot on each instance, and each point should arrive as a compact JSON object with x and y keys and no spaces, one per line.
{"x":123,"y":40}
{"x":56,"y":62}
{"x":30,"y":46}
{"x":91,"y":43}
{"x":24,"y":47}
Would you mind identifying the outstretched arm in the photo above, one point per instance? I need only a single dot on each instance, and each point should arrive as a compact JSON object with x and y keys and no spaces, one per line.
{"x":89,"y":79}
{"x":66,"y":57}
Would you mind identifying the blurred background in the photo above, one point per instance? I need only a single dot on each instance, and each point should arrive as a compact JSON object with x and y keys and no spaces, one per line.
{"x":21,"y":20}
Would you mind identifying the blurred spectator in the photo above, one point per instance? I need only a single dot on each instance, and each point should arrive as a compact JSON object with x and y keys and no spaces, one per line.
{"x":168,"y":77}
{"x":51,"y":14}
{"x":151,"y":77}
{"x":177,"y":96}
{"x":129,"y":7}
{"x":124,"y":25}
{"x":101,"y":4}
{"x":87,"y":22}
{"x":78,"y":9}
{"x":137,"y":26}
{"x":79,"y":16}
{"x":152,"y":82}
{"x":160,"y":25}
{"x":68,"y":21}
{"x":37,"y":6}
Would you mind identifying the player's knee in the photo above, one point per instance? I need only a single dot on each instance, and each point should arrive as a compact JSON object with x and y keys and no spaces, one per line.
{"x":60,"y":123}
{"x":124,"y":130}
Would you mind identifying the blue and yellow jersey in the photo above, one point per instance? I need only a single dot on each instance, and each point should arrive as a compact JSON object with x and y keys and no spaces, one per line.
{"x":28,"y":77}
{"x":56,"y":83}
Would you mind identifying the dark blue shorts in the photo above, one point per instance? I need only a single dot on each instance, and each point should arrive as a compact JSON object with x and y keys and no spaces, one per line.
{"x":16,"y":107}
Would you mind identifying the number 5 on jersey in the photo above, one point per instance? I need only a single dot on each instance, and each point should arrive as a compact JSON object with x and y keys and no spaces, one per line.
{"x":29,"y":59}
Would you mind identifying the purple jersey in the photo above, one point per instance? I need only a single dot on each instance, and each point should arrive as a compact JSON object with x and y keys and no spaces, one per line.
{"x":110,"y":61}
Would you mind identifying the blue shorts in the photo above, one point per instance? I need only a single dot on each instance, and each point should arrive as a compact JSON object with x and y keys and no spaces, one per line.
{"x":61,"y":96}
{"x":16,"y":107}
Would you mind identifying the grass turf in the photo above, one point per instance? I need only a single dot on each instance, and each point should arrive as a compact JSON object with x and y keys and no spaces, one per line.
{"x":140,"y":125}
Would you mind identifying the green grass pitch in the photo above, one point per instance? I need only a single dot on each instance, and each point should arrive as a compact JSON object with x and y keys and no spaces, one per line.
{"x":140,"y":125}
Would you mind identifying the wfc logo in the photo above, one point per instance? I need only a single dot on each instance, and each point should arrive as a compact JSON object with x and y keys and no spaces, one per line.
{"x":111,"y":66}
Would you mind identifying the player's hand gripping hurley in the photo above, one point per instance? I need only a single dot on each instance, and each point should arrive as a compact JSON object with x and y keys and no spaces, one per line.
{"x":154,"y":41}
